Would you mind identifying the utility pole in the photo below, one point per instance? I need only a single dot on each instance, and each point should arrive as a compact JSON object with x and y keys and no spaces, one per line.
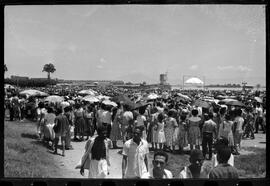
{"x":244,"y":85}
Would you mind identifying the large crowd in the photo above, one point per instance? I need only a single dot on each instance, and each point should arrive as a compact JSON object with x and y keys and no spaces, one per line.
{"x":167,"y":123}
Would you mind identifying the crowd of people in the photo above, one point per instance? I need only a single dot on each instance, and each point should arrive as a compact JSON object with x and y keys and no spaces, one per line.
{"x":166,"y":124}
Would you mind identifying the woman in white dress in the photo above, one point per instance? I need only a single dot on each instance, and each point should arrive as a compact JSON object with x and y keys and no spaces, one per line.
{"x":160,"y":131}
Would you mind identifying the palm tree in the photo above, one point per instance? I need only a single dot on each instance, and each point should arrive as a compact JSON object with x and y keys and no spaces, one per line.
{"x":49,"y":68}
{"x":5,"y":68}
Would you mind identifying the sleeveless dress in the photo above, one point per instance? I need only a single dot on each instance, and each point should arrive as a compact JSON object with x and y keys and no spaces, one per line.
{"x":194,"y":130}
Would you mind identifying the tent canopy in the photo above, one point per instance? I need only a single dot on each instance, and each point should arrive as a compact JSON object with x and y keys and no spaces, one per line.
{"x":194,"y":80}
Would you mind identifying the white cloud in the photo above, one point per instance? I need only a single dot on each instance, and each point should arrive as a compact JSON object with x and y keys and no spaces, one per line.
{"x":193,"y":67}
{"x":100,"y":66}
{"x":235,"y":68}
{"x":102,"y":60}
{"x":244,"y":68}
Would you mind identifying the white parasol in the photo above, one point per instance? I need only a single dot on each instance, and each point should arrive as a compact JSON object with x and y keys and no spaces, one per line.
{"x":54,"y":99}
{"x":91,"y":99}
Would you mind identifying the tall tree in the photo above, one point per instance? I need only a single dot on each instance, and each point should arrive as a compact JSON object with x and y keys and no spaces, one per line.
{"x":49,"y":68}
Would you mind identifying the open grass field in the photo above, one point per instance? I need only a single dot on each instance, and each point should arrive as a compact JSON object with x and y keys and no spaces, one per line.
{"x":25,"y":156}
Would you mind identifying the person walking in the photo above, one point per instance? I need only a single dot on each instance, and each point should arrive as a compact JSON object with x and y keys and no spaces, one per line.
{"x":209,"y":132}
{"x":49,"y":120}
{"x":194,"y":130}
{"x":68,"y":114}
{"x":60,"y":128}
{"x":248,"y":124}
{"x":96,"y":156}
{"x":135,"y":156}
{"x":169,"y":128}
{"x":238,"y":129}
{"x":79,"y":123}
{"x":115,"y":132}
{"x":259,"y":118}
{"x":160,"y":131}
{"x":182,"y":133}
{"x":226,"y":131}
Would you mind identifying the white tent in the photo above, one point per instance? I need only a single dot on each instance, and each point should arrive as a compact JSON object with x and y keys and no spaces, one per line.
{"x":194,"y":80}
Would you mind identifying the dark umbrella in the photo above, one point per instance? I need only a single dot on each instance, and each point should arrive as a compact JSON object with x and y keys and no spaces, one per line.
{"x":141,"y":104}
{"x":124,"y":100}
{"x":201,"y":103}
{"x":235,"y":103}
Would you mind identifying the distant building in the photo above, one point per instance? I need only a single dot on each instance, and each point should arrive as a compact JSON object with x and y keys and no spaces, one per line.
{"x":163,"y":79}
{"x":19,"y":78}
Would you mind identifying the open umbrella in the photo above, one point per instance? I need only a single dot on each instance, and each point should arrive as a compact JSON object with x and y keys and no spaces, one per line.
{"x":141,"y":104}
{"x":87,"y":92}
{"x":235,"y":103}
{"x":102,"y":97}
{"x":201,"y":103}
{"x":224,"y":101}
{"x":121,"y":99}
{"x":90,"y":99}
{"x":185,"y":97}
{"x":108,"y":102}
{"x":33,"y":92}
{"x":258,"y":99}
{"x":152,"y":96}
{"x":54,"y":99}
{"x":8,"y":86}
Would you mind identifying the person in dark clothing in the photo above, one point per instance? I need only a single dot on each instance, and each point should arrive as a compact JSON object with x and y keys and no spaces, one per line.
{"x":61,"y":127}
{"x":209,"y":132}
{"x":67,"y":113}
{"x":223,"y":169}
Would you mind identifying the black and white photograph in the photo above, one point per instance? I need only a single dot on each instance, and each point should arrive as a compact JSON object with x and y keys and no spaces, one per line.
{"x":164,"y":91}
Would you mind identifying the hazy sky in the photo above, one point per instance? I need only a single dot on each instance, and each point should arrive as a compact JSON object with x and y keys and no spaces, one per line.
{"x":223,"y":43}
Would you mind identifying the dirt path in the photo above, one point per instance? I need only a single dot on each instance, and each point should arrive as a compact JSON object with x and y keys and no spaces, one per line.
{"x":73,"y":156}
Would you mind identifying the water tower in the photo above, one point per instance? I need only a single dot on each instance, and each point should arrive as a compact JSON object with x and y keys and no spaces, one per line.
{"x":163,"y":79}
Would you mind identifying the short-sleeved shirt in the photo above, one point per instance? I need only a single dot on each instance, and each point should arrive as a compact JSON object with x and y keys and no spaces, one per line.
{"x":223,"y":171}
{"x":135,"y":158}
{"x":127,"y":116}
{"x":140,"y":120}
{"x":167,"y":175}
{"x":239,"y":123}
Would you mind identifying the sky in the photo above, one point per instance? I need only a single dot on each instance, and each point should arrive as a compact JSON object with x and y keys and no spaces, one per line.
{"x":217,"y":43}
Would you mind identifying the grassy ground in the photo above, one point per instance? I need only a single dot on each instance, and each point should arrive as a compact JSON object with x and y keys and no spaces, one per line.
{"x":25,"y":157}
{"x":251,"y":165}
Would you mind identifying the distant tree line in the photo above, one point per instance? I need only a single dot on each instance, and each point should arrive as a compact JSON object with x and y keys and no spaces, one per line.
{"x":225,"y":85}
{"x":30,"y":82}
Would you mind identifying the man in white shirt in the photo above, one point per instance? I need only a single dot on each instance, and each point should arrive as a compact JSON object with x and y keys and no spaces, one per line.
{"x":158,"y":171}
{"x":135,"y":156}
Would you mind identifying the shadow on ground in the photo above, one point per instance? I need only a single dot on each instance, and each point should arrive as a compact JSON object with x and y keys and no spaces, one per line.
{"x":31,"y":136}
